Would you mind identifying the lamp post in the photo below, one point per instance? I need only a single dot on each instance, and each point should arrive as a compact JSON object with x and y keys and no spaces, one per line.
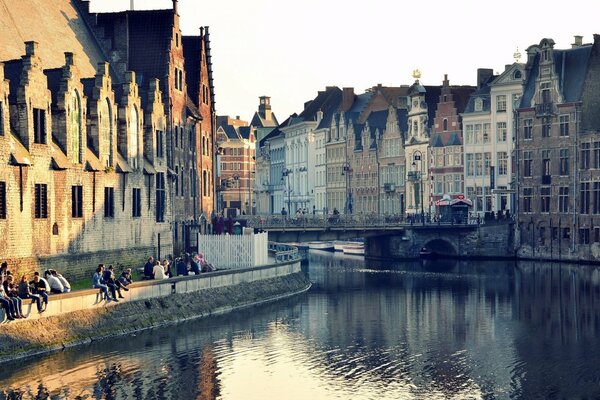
{"x":236,"y":178}
{"x":286,"y":174}
{"x":347,"y":170}
{"x":415,"y":176}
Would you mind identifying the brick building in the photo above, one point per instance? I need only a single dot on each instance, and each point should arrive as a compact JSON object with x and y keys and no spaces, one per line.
{"x":98,"y":160}
{"x":558,"y":152}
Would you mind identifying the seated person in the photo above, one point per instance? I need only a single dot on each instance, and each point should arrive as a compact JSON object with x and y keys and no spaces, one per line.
{"x":159,"y":271}
{"x":125,"y":278}
{"x":194,"y":267}
{"x":39,"y":287}
{"x":148,"y":268}
{"x":109,"y":280}
{"x":98,"y":283}
{"x":25,"y":292}
{"x":56,"y":286}
{"x":63,"y":280}
{"x":181,"y":267}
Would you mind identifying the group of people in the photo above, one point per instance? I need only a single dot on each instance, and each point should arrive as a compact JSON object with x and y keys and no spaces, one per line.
{"x":12,"y":293}
{"x":104,"y":279}
{"x":222,"y":226}
{"x":187,"y":264}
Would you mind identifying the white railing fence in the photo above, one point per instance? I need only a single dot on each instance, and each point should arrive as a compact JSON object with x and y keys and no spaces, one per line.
{"x":235,"y":251}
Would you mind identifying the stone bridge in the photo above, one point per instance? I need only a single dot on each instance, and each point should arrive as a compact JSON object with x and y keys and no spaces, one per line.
{"x":385,"y":238}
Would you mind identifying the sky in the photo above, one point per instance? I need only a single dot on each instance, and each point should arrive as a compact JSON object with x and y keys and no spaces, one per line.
{"x":291,"y":50}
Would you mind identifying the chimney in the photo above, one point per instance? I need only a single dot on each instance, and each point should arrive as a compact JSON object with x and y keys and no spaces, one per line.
{"x":174,"y":7}
{"x":578,"y":42}
{"x":347,"y":98}
{"x":483,"y":74}
{"x":31,"y":48}
{"x":131,"y":5}
{"x":446,"y":81}
{"x":264,"y":107}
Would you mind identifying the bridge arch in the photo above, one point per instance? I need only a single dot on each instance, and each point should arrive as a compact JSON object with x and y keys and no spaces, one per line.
{"x":441,"y":247}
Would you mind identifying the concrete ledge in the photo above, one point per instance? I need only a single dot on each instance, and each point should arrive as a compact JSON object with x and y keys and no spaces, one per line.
{"x":92,"y":298}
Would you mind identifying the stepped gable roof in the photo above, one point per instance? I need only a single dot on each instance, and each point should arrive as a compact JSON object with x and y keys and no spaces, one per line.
{"x":191,"y":51}
{"x":190,"y":107}
{"x":54,"y":76}
{"x":245,"y":132}
{"x":149,"y":43}
{"x":12,"y":72}
{"x":58,"y":26}
{"x":443,"y":139}
{"x":570,"y":65}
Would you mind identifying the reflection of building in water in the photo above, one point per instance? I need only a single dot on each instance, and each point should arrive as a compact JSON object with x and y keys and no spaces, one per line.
{"x":558,"y":306}
{"x":208,"y":384}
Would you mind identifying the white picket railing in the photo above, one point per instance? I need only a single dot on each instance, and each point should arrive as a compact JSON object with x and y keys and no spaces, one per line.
{"x":235,"y":251}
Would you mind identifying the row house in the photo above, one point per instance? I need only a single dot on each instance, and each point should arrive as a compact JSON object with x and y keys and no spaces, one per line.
{"x":150,"y":42}
{"x":446,"y":143}
{"x":299,"y":174}
{"x":488,"y":130}
{"x":237,"y":151}
{"x":558,"y":151}
{"x":82,"y":178}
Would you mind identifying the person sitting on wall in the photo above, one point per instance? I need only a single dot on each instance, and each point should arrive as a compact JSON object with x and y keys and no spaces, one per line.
{"x":11,"y":290}
{"x":159,"y":271}
{"x":55,"y":286}
{"x":63,"y":280}
{"x":25,"y":292}
{"x":108,"y":278}
{"x":194,"y":267}
{"x":167,"y":266}
{"x":181,"y":267}
{"x":204,"y":265}
{"x":7,"y":303}
{"x":148,"y":267}
{"x":98,"y":283}
{"x":39,"y":287}
{"x":125,"y":278}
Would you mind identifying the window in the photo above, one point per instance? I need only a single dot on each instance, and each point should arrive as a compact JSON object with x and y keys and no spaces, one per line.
{"x":479,"y":164}
{"x":160,"y":197}
{"x":584,"y":205}
{"x":487,"y":162}
{"x":585,"y":156}
{"x":564,"y":125}
{"x":564,"y":162}
{"x":545,"y":90}
{"x":502,"y":163}
{"x":596,"y":155}
{"x":527,"y":129}
{"x":204,"y":183}
{"x":470,"y":163}
{"x":486,"y":133}
{"x":546,"y":166}
{"x":566,"y":233}
{"x":445,"y":124}
{"x":596,"y":235}
{"x":527,"y":195}
{"x":159,"y":144}
{"x":105,"y":133}
{"x":133,"y":137}
{"x":2,"y":200}
{"x":77,"y":201}
{"x":469,"y":139}
{"x":176,"y":180}
{"x":176,"y":137}
{"x":39,"y":126}
{"x":76,"y":156}
{"x":563,"y":199}
{"x":478,"y":104}
{"x":109,"y":202}
{"x":546,"y":127}
{"x":137,"y":203}
{"x":584,"y":236}
{"x":527,"y":163}
{"x":457,"y":183}
{"x":596,"y":198}
{"x":41,"y":200}
{"x":545,"y":199}
{"x":501,"y":132}
{"x":501,"y":102}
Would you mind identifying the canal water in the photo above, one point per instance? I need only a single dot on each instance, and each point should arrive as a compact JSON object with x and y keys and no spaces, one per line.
{"x":365,"y":330}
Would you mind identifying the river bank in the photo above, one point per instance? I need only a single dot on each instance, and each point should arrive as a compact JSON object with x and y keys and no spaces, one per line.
{"x":43,"y":335}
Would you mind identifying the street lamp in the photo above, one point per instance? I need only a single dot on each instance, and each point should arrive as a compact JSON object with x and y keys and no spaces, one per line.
{"x":286,"y":174}
{"x":236,"y":178}
{"x":347,"y":170}
{"x":416,"y":177}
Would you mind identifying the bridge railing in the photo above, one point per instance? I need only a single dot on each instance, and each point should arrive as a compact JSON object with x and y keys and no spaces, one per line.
{"x":284,"y":252}
{"x":354,"y":221}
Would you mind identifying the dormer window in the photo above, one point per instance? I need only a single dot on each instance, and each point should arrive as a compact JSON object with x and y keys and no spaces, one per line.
{"x":545,"y":91}
{"x":478,"y":104}
{"x":517,"y":75}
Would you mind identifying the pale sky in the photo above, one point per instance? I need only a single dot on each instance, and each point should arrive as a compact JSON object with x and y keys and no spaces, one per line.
{"x":290,"y":50}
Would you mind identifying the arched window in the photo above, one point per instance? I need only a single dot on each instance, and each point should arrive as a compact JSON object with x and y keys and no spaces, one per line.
{"x":445,"y":124}
{"x":75,"y":129}
{"x":133,"y":137}
{"x":105,"y":133}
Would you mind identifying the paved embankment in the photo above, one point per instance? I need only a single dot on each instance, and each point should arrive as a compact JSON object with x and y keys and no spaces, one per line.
{"x":148,"y":305}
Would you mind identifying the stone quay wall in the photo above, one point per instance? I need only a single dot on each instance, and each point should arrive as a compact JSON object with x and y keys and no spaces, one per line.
{"x":82,"y":316}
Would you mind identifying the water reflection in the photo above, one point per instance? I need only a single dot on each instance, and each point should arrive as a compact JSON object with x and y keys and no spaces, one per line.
{"x":376,"y":330}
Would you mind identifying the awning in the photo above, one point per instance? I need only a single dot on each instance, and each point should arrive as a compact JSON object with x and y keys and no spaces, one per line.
{"x":59,"y":159}
{"x":122,"y":165}
{"x":148,"y":167}
{"x":461,"y":202}
{"x":18,"y":153}
{"x":92,"y":163}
